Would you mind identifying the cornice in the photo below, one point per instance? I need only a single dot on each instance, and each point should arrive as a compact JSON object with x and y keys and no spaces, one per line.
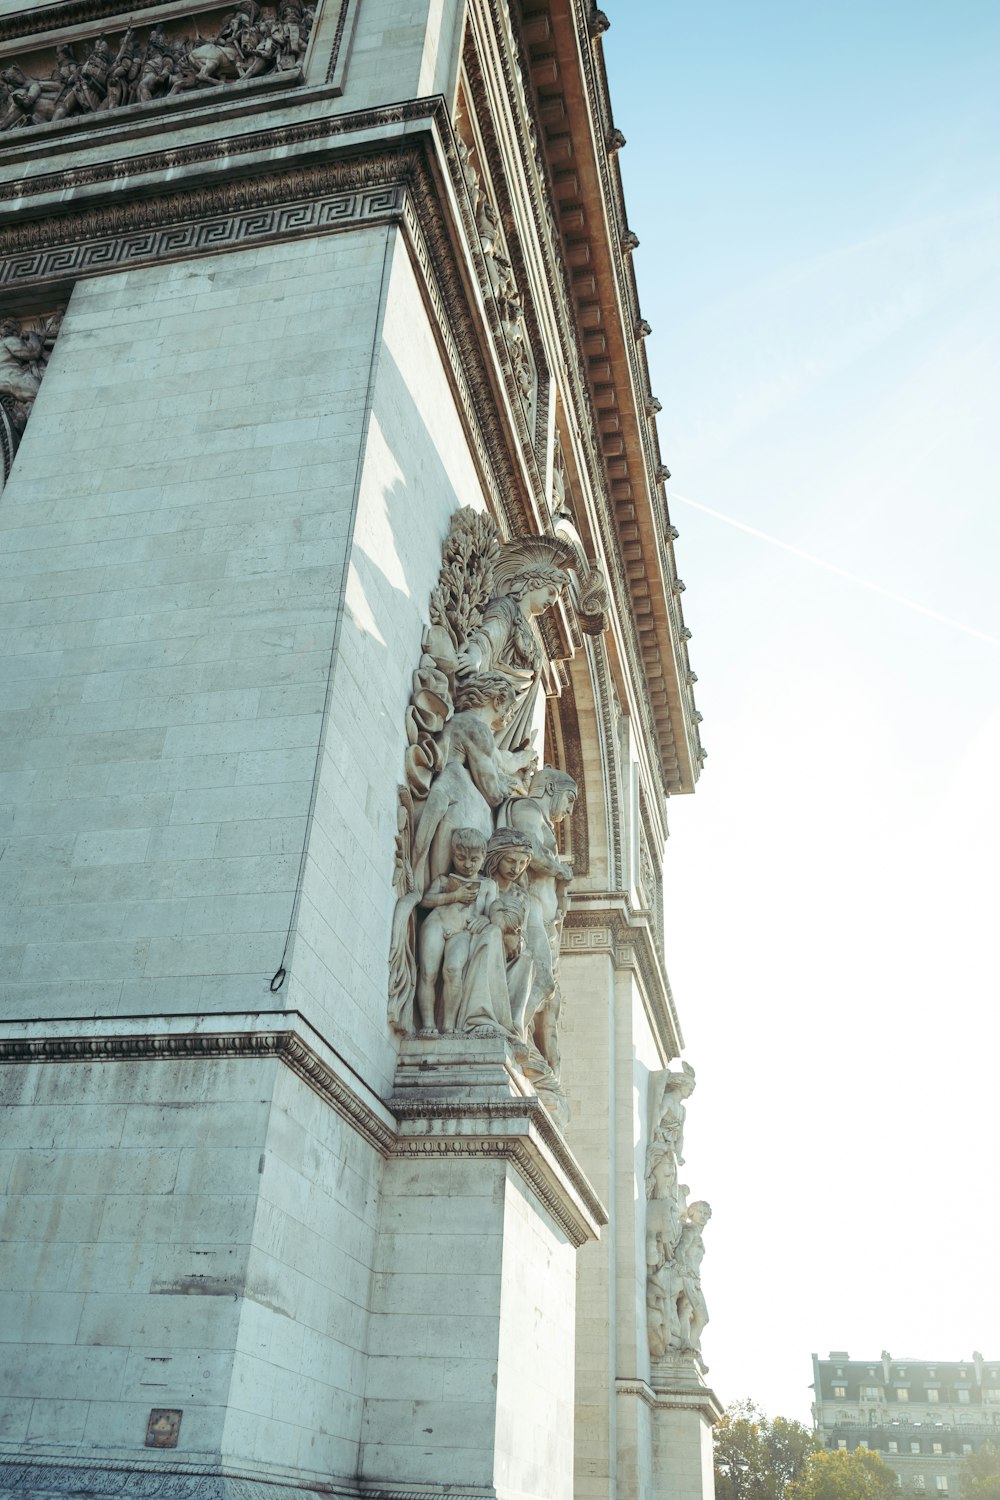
{"x":559,"y":43}
{"x":67,"y":13}
{"x":605,"y":921}
{"x":219,"y":149}
{"x":286,"y":1046}
{"x":701,"y":1400}
{"x":571,"y":336}
{"x":529,"y":1114}
{"x":397,"y":177}
{"x":517,"y":1130}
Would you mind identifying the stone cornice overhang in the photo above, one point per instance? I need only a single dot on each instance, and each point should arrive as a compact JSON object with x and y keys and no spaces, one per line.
{"x":100,"y":198}
{"x":561,"y":53}
{"x":504,"y":1123}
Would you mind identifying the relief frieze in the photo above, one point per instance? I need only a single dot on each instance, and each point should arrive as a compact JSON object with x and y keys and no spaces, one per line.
{"x":144,"y":65}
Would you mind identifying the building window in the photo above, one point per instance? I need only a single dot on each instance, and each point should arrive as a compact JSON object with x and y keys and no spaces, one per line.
{"x":839,"y":1371}
{"x":902,"y":1394}
{"x":899,"y":1481}
{"x":914,"y":1447}
{"x":992,"y":1395}
{"x":966,"y":1447}
{"x":871,"y":1393}
{"x":933,"y":1394}
{"x":936,"y":1448}
{"x":840,"y":1391}
{"x":862,"y":1443}
{"x":941,"y":1484}
{"x":918,"y":1482}
{"x":841,"y":1442}
{"x":963,"y":1397}
{"x":893,"y":1446}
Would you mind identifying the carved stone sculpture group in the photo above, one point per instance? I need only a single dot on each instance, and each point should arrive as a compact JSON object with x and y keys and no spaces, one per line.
{"x":25,"y":346}
{"x":481,"y":885}
{"x":139,"y":66}
{"x":675,"y":1304}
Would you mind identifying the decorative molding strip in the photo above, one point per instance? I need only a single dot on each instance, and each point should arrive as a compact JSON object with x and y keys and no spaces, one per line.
{"x":285,"y":1046}
{"x":223,"y":148}
{"x":385,"y":1491}
{"x":530,"y":1111}
{"x":132,"y":1479}
{"x":395,"y":181}
{"x":67,"y":13}
{"x":699,"y":1399}
{"x":523,"y":1159}
{"x":200,"y":223}
{"x":136,"y":1478}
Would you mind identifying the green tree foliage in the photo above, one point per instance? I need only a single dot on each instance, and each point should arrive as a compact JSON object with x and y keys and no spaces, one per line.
{"x":840,"y":1475}
{"x":755,"y":1458}
{"x":981,"y":1474}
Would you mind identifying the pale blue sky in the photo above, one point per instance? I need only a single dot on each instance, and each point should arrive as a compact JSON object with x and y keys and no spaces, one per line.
{"x":815,"y":188}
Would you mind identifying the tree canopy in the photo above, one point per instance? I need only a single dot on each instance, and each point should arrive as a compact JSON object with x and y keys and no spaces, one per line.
{"x":757,"y":1458}
{"x":981,"y":1474}
{"x":842,"y":1475}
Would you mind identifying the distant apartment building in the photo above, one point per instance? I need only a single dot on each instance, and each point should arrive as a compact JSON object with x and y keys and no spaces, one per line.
{"x":923,"y":1417}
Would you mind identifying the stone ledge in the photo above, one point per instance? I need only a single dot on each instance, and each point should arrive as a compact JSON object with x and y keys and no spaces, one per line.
{"x":253,"y":1035}
{"x":455,"y":1096}
{"x":704,"y":1401}
{"x":465,"y":1097}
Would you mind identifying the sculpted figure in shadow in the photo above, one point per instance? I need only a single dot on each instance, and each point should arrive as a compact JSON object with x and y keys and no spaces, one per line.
{"x":25,"y":347}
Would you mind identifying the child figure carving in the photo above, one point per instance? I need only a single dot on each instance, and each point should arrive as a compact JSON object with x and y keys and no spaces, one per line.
{"x":457,"y":906}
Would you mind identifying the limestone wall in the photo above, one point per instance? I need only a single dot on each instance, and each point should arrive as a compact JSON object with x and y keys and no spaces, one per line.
{"x":173,"y":546}
{"x":129,"y":1209}
{"x":237,"y":475}
{"x":416,"y":471}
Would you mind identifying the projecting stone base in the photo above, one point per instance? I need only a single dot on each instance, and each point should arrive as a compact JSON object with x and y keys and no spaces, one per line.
{"x":684,"y":1411}
{"x":469,"y":1389}
{"x":52,"y":1481}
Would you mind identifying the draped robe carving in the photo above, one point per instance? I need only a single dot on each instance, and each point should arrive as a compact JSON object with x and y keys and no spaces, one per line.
{"x":471,"y":764}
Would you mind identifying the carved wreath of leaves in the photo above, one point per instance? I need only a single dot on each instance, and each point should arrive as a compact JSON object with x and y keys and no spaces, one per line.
{"x":465,"y":583}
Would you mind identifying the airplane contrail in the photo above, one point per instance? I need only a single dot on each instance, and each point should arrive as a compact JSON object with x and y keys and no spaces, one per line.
{"x":821,"y":562}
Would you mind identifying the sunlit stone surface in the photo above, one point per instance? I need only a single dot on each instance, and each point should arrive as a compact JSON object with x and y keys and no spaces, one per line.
{"x":343,"y":684}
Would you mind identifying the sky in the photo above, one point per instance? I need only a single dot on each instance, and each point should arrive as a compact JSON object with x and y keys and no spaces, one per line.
{"x":816,"y":189}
